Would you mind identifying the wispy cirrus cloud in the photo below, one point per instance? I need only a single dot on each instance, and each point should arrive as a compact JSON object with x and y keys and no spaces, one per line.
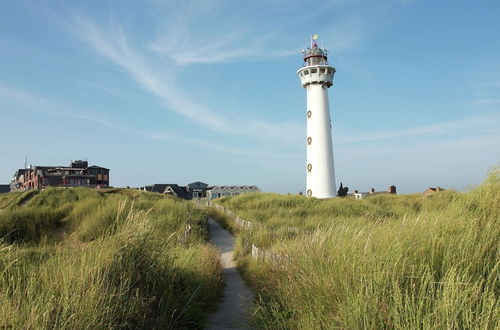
{"x":54,"y":107}
{"x":489,"y":124}
{"x":238,"y":39}
{"x":50,"y":106}
{"x":225,"y":36}
{"x":222,"y":49}
{"x":113,"y":45}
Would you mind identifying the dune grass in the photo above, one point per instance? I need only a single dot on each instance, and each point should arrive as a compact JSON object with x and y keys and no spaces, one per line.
{"x":88,"y":259}
{"x":13,"y":199}
{"x":405,"y":262}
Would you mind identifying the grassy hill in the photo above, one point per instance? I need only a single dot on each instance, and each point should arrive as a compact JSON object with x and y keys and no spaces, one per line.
{"x":89,"y":259}
{"x":405,"y":261}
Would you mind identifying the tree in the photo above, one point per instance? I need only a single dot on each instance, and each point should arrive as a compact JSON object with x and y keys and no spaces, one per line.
{"x":342,"y":192}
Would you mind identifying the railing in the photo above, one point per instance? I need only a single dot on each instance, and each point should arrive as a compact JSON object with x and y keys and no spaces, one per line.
{"x":260,"y":254}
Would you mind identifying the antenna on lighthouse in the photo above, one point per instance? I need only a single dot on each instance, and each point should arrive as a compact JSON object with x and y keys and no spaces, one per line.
{"x":314,"y":37}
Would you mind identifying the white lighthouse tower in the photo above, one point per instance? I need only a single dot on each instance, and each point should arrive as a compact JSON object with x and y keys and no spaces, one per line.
{"x":316,"y":77}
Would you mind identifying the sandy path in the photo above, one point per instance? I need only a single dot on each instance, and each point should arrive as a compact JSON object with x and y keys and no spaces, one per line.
{"x":237,"y":298}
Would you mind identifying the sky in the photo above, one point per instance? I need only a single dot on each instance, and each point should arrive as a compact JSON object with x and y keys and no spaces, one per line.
{"x":183,"y":91}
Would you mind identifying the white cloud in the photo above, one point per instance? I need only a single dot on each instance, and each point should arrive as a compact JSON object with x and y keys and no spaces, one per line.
{"x":54,"y":107}
{"x":488,"y":123}
{"x":34,"y":102}
{"x":113,"y":45}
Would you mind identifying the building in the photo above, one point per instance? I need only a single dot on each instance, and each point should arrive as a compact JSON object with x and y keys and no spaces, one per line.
{"x":168,"y":189}
{"x":4,"y":188}
{"x":199,"y":190}
{"x":316,"y":77}
{"x":76,"y":175}
{"x":360,"y":195}
{"x":432,"y":191}
{"x":372,"y":192}
{"x":223,"y":191}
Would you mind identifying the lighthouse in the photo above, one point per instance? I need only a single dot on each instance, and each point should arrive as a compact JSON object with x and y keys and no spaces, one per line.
{"x":316,"y":76}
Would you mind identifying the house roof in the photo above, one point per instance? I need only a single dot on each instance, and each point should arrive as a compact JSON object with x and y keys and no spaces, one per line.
{"x":159,"y":187}
{"x":147,"y":188}
{"x":100,"y":167}
{"x":163,"y":188}
{"x":177,"y":190}
{"x":66,"y":169}
{"x":43,"y":167}
{"x":234,"y":188}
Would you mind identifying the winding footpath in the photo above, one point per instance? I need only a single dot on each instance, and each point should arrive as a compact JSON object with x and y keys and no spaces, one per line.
{"x":237,"y":298}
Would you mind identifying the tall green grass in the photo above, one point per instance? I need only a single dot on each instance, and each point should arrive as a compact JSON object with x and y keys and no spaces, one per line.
{"x":401,"y":262}
{"x":106,"y":259}
{"x":13,"y":199}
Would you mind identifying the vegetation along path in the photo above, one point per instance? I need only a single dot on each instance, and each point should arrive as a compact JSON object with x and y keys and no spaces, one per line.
{"x":237,"y":298}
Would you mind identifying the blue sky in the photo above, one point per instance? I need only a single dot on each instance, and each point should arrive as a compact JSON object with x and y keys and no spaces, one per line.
{"x":179,"y":91}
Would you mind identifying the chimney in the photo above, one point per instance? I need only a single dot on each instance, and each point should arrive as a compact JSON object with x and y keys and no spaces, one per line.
{"x":438,"y":189}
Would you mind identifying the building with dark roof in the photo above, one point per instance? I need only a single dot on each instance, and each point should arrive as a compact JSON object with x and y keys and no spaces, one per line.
{"x":171,"y":189}
{"x":199,"y":190}
{"x":76,"y":175}
{"x":4,"y":188}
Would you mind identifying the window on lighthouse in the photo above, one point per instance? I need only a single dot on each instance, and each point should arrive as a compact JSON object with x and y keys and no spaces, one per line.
{"x":309,"y":114}
{"x":309,"y":167}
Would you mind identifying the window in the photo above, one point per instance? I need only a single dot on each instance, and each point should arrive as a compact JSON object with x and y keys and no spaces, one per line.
{"x":309,"y":114}
{"x":309,"y":167}
{"x":314,"y":70}
{"x":309,"y":192}
{"x":323,"y":70}
{"x":309,"y":140}
{"x":306,"y":72}
{"x":330,"y":71}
